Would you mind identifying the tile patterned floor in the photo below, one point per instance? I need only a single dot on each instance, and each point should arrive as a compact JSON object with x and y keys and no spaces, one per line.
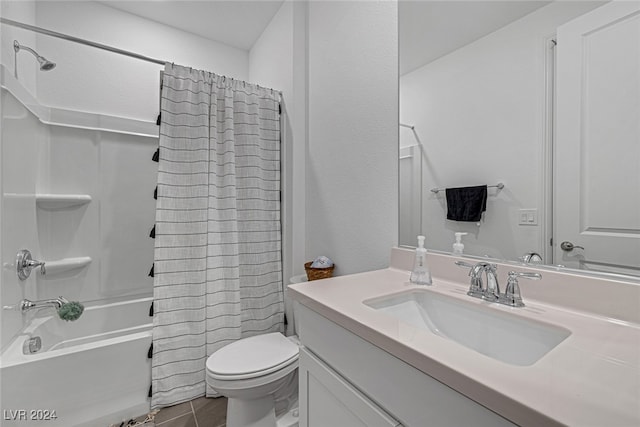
{"x":201,"y":412}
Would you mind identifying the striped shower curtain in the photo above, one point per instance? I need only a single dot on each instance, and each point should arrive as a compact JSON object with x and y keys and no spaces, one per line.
{"x":217,"y":260}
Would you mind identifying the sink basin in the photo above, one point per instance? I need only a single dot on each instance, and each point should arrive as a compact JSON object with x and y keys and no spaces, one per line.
{"x":500,"y":335}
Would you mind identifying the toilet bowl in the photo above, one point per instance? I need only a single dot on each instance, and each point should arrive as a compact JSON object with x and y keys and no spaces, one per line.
{"x":259,"y":377}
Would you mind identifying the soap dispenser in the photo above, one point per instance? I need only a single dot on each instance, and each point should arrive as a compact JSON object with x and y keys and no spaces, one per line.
{"x":458,"y":246}
{"x":421,"y":275}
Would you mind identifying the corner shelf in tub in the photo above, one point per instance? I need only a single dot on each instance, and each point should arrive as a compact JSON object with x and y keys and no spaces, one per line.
{"x":61,"y":201}
{"x":66,"y":264}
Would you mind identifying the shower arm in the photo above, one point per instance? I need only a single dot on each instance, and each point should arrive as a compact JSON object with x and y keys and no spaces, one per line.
{"x":17,"y":46}
{"x":16,"y":49}
{"x":41,"y":59}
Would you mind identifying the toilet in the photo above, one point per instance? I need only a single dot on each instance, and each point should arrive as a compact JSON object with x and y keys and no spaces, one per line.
{"x":259,"y":377}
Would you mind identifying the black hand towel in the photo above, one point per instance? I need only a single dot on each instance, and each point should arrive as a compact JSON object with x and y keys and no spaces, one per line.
{"x":466,"y":203}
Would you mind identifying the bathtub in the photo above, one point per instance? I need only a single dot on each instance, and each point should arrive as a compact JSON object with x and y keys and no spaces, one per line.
{"x":92,"y":372}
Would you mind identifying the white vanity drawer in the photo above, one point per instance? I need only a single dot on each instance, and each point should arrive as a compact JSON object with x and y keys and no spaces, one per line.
{"x":327,"y":399}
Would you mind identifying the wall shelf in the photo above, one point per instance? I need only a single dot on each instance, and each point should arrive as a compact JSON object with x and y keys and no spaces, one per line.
{"x":66,"y":264}
{"x":61,"y":201}
{"x":73,"y":118}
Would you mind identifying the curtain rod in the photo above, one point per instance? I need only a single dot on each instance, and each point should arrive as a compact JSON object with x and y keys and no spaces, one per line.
{"x":81,"y":41}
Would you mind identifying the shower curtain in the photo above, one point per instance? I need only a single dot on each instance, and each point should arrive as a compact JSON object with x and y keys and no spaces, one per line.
{"x":217,"y":258}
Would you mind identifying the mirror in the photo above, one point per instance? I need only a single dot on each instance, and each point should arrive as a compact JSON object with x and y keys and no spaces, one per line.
{"x":486,"y":97}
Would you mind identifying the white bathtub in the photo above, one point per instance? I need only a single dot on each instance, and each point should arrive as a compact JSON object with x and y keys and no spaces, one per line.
{"x":92,"y":372}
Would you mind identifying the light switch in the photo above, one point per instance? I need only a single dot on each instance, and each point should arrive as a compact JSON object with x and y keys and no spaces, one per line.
{"x":528,"y":217}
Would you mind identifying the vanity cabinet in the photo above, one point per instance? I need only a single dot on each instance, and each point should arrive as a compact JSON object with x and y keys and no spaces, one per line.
{"x":331,"y":401}
{"x":347,"y":381}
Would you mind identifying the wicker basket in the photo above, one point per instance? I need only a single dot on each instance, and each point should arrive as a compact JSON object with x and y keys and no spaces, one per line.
{"x":318,"y":273}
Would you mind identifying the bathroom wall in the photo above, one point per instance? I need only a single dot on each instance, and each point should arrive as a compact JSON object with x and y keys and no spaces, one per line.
{"x":277,"y":60}
{"x":480,"y":112}
{"x":273,"y":62}
{"x":369,"y":28}
{"x":17,"y":324}
{"x":94,"y":88}
{"x":114,"y":84}
{"x":112,"y":229}
{"x":23,"y":11}
{"x":340,"y":175}
{"x":339,"y":65}
{"x":21,"y":134}
{"x":2,"y":204}
{"x":352,"y":162}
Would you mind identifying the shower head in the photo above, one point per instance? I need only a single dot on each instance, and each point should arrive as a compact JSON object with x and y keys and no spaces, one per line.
{"x":45,"y":64}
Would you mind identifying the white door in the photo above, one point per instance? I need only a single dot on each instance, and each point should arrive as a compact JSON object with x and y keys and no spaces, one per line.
{"x":597,"y":146}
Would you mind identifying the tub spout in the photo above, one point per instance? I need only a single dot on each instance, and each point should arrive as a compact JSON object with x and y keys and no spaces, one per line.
{"x":27,"y":305}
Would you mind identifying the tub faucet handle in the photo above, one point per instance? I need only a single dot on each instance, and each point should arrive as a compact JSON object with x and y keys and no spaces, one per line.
{"x":25,"y":263}
{"x":35,"y":263}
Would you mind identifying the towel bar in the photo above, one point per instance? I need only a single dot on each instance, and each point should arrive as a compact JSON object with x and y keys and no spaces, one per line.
{"x":499,"y":186}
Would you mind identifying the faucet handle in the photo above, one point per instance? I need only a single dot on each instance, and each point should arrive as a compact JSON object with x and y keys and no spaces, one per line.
{"x":532,"y":276}
{"x":25,"y":263}
{"x":475,"y":287}
{"x":512,"y":296}
{"x":35,"y":263}
{"x":464,"y":264}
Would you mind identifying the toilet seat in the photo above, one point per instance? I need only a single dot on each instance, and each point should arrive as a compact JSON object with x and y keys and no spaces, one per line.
{"x":252,"y":357}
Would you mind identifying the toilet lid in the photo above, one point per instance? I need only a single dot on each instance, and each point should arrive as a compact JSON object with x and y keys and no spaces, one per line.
{"x":260,"y":354}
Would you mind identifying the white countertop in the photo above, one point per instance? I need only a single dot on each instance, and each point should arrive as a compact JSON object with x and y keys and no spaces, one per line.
{"x":592,"y":378}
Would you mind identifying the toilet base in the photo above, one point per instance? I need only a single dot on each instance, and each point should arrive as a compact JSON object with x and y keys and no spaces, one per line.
{"x":251,"y":413}
{"x":289,"y":418}
{"x":259,"y":413}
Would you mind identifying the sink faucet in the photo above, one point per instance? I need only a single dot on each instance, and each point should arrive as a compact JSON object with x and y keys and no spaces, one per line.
{"x":491,"y":292}
{"x":477,"y":289}
{"x":531,"y":258}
